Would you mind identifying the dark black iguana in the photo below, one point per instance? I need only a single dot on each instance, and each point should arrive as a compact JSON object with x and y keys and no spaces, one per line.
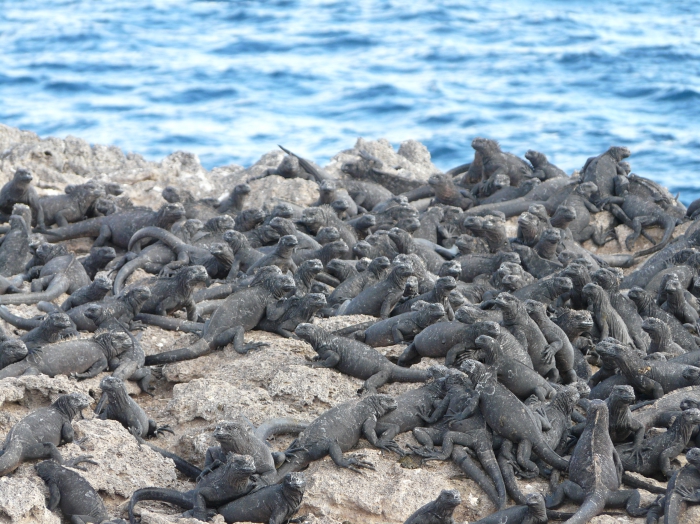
{"x":352,"y":357}
{"x":39,"y":434}
{"x":238,"y":313}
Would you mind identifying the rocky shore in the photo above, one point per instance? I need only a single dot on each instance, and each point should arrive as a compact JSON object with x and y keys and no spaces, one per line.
{"x":192,"y":396}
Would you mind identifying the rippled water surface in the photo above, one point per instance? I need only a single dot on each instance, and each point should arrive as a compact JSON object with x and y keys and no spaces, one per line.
{"x":230,"y":80}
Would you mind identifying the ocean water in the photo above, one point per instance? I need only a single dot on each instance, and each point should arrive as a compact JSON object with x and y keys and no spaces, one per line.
{"x":231,"y":80}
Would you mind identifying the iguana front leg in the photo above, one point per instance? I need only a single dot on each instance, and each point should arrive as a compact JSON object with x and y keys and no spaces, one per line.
{"x":369,"y":430}
{"x":329,"y":359}
{"x":350,"y":463}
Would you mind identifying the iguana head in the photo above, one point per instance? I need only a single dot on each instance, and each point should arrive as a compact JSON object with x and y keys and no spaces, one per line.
{"x":219,"y":224}
{"x":566,"y":398}
{"x":473,"y":223}
{"x":282,"y":210}
{"x":379,"y":265}
{"x":690,"y":417}
{"x":693,"y":457}
{"x":551,"y":236}
{"x":489,"y":348}
{"x":172,"y":195}
{"x":93,"y":311}
{"x":337,"y":249}
{"x":535,"y":157}
{"x":536,"y":507}
{"x":168,"y":214}
{"x":23,"y":177}
{"x":233,"y":433}
{"x":241,"y":465}
{"x":12,"y":350}
{"x":309,"y":333}
{"x":593,"y":293}
{"x":72,"y":404}
{"x":190,"y":276}
{"x":365,"y":222}
{"x":587,"y":189}
{"x":654,"y":326}
{"x":619,"y":152}
{"x":112,"y":384}
{"x":283,"y":226}
{"x":450,"y":268}
{"x":249,"y":218}
{"x":528,"y":224}
{"x":362,"y":249}
{"x":289,"y":165}
{"x":241,"y":189}
{"x":673,"y":285}
{"x":295,"y":481}
{"x":486,"y":146}
{"x":313,"y":219}
{"x":222,"y":253}
{"x":282,"y":285}
{"x":564,"y":215}
{"x":562,"y":284}
{"x":340,"y":206}
{"x":236,"y":240}
{"x":501,"y":181}
{"x":689,"y":403}
{"x":444,"y":285}
{"x":314,"y":301}
{"x":532,"y":306}
{"x":624,"y":394}
{"x":327,"y":234}
{"x":447,"y":501}
{"x":401,"y":272}
{"x":114,"y":343}
{"x":17,"y":223}
{"x":311,"y":267}
{"x":137,"y":297}
{"x":47,"y":470}
{"x":104,"y":254}
{"x":59,"y":320}
{"x":382,"y":404}
{"x":692,"y":374}
{"x":468,"y":314}
{"x":507,"y":302}
{"x":433,"y":312}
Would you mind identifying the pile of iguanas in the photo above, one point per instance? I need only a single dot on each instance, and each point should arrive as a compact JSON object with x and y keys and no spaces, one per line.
{"x":510,"y":325}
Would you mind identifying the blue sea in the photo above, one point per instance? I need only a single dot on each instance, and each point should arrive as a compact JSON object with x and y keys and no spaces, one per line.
{"x":231,"y":80}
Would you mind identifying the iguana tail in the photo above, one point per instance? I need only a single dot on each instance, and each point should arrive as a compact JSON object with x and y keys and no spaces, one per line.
{"x":86,"y":228}
{"x":634,"y":482}
{"x":399,"y":374}
{"x":669,"y":227}
{"x":161,"y":234}
{"x":198,"y":349}
{"x":170,"y":323}
{"x":344,"y":332}
{"x":543,"y":451}
{"x":592,"y":506}
{"x":59,"y":285}
{"x":184,"y":467}
{"x":11,"y":457}
{"x":278,"y":426}
{"x":216,"y":292}
{"x":125,"y":272}
{"x":26,"y":324}
{"x":170,"y":496}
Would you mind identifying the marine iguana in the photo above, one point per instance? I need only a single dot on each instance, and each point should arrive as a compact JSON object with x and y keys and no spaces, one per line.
{"x":77,"y":499}
{"x":603,"y":169}
{"x":557,"y":340}
{"x":281,"y":257}
{"x":271,"y":505}
{"x":381,"y":298}
{"x":653,"y":378}
{"x":595,"y":472}
{"x":60,"y":274}
{"x":20,"y":191}
{"x":525,"y":330}
{"x":516,"y":376}
{"x":396,"y":330}
{"x":438,"y":511}
{"x":684,"y":486}
{"x":194,"y":209}
{"x":352,"y":357}
{"x":238,"y":313}
{"x":677,"y":305}
{"x":14,"y":250}
{"x":55,"y":327}
{"x":542,"y":168}
{"x":520,"y":426}
{"x":235,"y":201}
{"x":647,"y":308}
{"x":225,"y":484}
{"x":39,"y":434}
{"x":544,"y":291}
{"x":95,"y":291}
{"x":79,"y":358}
{"x":609,"y":280}
{"x":72,"y":206}
{"x":438,"y":295}
{"x":661,"y":340}
{"x":122,"y":408}
{"x":447,"y":193}
{"x":11,"y":351}
{"x":607,"y":320}
{"x":305,"y":275}
{"x":119,"y":227}
{"x":338,"y":430}
{"x":658,"y":451}
{"x":495,"y":161}
{"x":173,"y":293}
{"x":295,"y":311}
